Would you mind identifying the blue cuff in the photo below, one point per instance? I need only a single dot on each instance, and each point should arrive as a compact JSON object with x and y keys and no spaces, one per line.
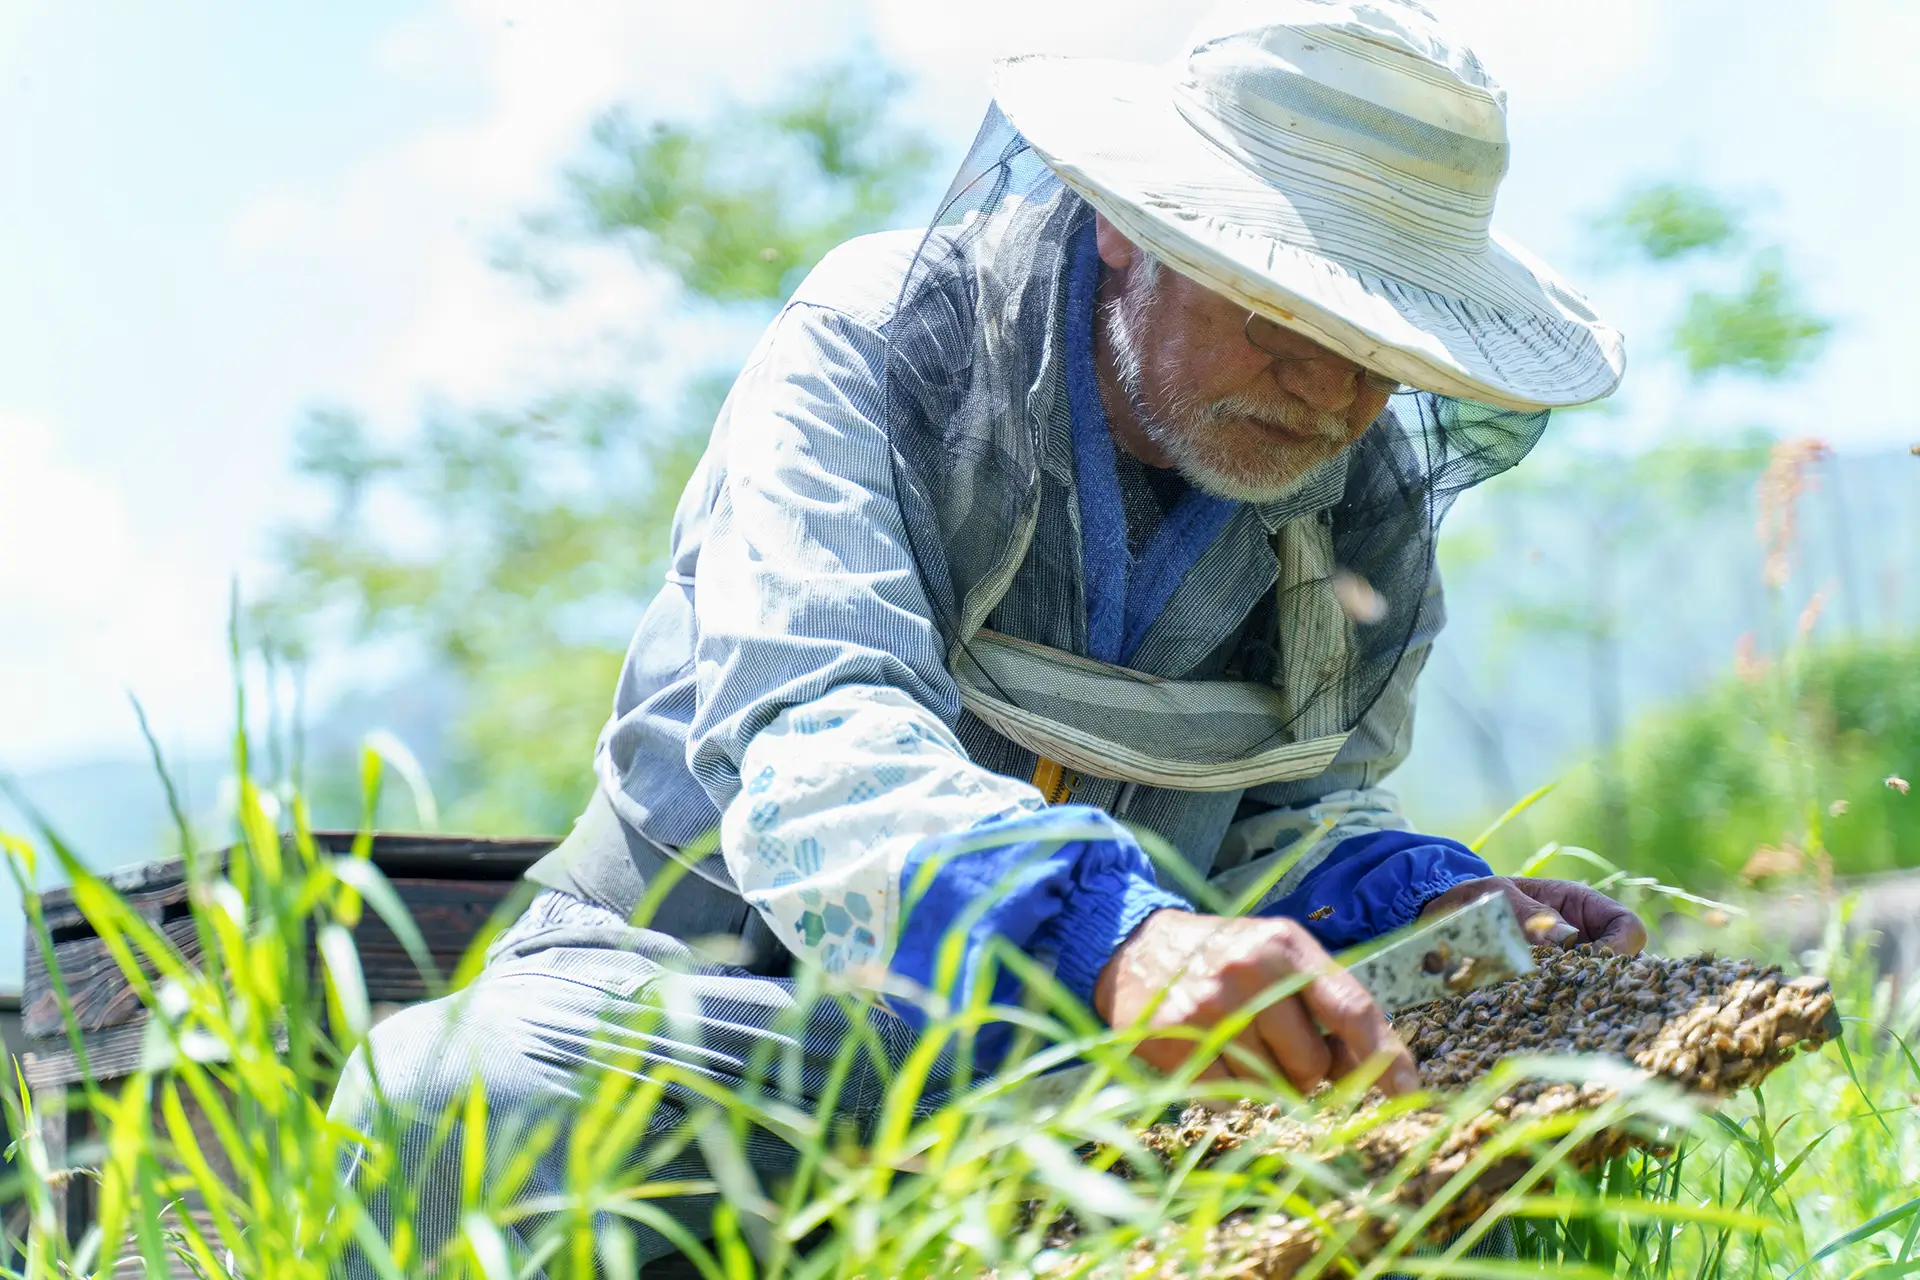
{"x":1065,"y":884}
{"x":1376,"y":883}
{"x":1094,"y":921}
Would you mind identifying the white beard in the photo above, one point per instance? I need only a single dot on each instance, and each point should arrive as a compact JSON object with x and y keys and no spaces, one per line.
{"x":1192,"y":438}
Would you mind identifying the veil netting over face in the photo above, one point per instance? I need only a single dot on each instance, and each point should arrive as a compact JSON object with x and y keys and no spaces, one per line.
{"x":974,"y":369}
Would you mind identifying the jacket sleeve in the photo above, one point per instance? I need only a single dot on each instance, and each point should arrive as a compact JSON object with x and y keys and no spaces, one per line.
{"x":1373,"y":884}
{"x":824,"y":726}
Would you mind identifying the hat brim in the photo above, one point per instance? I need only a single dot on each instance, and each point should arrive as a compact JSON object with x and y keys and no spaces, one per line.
{"x":1507,"y":331}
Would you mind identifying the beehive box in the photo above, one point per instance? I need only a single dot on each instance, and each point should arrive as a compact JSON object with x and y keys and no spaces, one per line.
{"x":452,"y":885}
{"x":1707,"y":1025}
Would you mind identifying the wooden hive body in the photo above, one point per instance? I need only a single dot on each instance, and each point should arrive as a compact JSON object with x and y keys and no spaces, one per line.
{"x":451,"y":885}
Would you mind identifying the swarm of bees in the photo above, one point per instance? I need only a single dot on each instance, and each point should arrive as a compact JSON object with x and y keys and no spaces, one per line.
{"x":1710,"y":1026}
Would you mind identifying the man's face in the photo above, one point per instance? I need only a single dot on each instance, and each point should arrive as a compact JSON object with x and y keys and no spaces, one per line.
{"x":1235,"y":421}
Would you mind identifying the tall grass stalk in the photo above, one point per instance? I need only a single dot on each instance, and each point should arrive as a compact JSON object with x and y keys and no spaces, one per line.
{"x":217,"y":1156}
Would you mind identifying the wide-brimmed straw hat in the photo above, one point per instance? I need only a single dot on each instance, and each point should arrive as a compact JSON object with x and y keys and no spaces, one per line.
{"x":1332,"y":165}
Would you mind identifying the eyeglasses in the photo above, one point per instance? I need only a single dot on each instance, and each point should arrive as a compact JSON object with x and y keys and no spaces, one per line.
{"x":1288,"y":347}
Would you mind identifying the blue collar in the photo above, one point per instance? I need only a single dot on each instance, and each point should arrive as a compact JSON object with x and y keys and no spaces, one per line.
{"x":1124,"y":597}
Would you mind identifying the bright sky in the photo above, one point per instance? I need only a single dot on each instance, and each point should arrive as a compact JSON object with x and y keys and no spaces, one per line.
{"x":215,"y":214}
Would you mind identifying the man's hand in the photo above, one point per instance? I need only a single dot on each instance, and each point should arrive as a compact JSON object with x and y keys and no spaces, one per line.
{"x":1211,"y":967}
{"x":1554,"y":912}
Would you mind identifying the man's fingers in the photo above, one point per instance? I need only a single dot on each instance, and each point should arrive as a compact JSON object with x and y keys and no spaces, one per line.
{"x":1624,"y":935}
{"x":1169,"y":1053}
{"x":1544,"y":926}
{"x":1192,"y":971}
{"x":1341,"y":1005}
{"x":1344,"y":1063}
{"x":1215,"y":1070}
{"x":1295,"y":1043}
{"x":1245,"y":1058}
{"x":1599,"y":918}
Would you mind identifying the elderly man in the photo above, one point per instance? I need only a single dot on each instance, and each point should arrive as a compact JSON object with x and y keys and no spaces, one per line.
{"x":1103,"y":508}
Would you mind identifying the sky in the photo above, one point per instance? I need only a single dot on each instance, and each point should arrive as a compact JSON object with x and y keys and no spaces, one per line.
{"x":214,"y":216}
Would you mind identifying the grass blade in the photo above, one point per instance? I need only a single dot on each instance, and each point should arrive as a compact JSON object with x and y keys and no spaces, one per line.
{"x":1872,"y":1226}
{"x":1514,"y":810}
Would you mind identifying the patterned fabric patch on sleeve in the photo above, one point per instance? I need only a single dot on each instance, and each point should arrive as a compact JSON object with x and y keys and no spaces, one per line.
{"x":838,"y":791}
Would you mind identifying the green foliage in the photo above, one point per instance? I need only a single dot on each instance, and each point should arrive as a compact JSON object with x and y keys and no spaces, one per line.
{"x":1587,"y":512}
{"x":1762,"y":329}
{"x":1640,"y":492}
{"x":1796,"y":756}
{"x":1689,"y":475}
{"x":510,"y":550}
{"x":244,"y":1039}
{"x":739,"y":209}
{"x":1665,"y":221}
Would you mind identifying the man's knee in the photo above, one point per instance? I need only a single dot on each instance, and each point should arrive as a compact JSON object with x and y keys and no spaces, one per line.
{"x":427,"y":1060}
{"x":408,"y":1090}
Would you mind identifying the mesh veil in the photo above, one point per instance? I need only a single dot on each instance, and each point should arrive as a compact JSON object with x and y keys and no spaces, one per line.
{"x":973,"y":368}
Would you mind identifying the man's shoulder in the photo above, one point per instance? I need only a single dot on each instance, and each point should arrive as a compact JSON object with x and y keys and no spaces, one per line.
{"x":861,"y":278}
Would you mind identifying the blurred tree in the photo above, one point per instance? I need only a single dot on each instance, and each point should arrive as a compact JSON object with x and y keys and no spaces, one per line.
{"x":1665,"y":221}
{"x":527,"y":539}
{"x":738,"y":211}
{"x":1761,"y":329}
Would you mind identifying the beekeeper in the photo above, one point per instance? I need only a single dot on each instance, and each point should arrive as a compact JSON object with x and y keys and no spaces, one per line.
{"x":1098,"y":516}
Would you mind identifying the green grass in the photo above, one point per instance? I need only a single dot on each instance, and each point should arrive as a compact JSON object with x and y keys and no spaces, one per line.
{"x":1818,"y":1176}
